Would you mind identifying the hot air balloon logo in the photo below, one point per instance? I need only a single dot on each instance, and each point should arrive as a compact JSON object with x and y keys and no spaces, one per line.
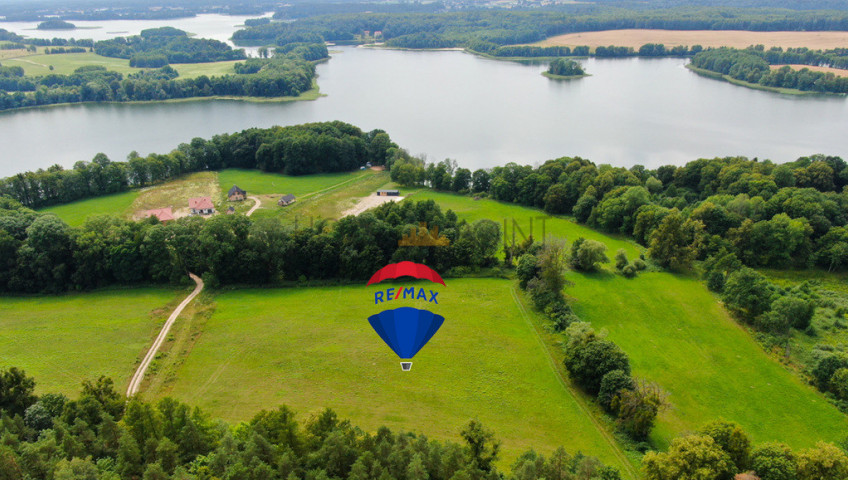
{"x":406,"y":329}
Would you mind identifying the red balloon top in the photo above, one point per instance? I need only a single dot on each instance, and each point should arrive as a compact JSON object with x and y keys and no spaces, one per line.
{"x":406,"y":269}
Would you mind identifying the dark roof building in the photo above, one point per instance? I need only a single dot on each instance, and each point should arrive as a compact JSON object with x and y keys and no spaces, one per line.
{"x":286,"y":200}
{"x":236,"y":194}
{"x":388,"y":193}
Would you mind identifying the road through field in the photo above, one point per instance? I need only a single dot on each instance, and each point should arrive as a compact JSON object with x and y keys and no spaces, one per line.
{"x":138,"y":376}
{"x":257,"y":204}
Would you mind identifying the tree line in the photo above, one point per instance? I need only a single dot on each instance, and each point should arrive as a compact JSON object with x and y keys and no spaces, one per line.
{"x":455,"y":29}
{"x":769,"y":215}
{"x":595,"y":363}
{"x":281,"y":76}
{"x":752,"y":65}
{"x":295,"y":150}
{"x":610,"y":51}
{"x":40,"y":253}
{"x":169,"y":44}
{"x":102,"y":435}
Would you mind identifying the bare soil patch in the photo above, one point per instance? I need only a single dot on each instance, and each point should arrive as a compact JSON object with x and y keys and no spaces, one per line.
{"x":369,"y":202}
{"x":706,"y":38}
{"x":175,"y":194}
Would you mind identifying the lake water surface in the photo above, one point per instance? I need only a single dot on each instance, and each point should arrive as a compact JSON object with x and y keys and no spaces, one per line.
{"x":480,"y":112}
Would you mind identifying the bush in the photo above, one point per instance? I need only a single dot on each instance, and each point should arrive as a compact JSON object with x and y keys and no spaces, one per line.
{"x":826,"y":368}
{"x":839,"y":384}
{"x":560,"y":315}
{"x":732,"y":439}
{"x":638,"y":409}
{"x":586,"y":255}
{"x":620,"y":259}
{"x":715,"y":281}
{"x":629,"y":271}
{"x":588,"y":363}
{"x":774,"y":461}
{"x":793,"y":311}
{"x":640,"y":264}
{"x":611,"y":385}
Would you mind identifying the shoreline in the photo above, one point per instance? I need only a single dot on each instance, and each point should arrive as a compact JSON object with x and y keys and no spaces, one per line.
{"x":754,"y":86}
{"x":553,"y":76}
{"x":312,"y":94}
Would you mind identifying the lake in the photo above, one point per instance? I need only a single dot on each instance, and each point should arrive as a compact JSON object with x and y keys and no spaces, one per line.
{"x":214,"y":26}
{"x":478,"y":111}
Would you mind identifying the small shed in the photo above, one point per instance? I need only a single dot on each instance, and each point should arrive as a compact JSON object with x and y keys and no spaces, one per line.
{"x":388,"y":193}
{"x":236,"y":194}
{"x":231,"y":210}
{"x":163,"y":214}
{"x":201,"y":206}
{"x":286,"y":200}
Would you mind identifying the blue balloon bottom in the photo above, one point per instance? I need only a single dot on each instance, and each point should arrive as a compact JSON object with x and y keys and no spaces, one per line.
{"x":406,"y":330}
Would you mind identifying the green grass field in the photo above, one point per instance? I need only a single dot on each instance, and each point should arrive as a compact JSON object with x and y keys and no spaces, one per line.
{"x":557,"y":227}
{"x":677,"y":335}
{"x":311,"y":348}
{"x":63,"y":340}
{"x":66,"y":63}
{"x":263,"y":183}
{"x":75,"y":213}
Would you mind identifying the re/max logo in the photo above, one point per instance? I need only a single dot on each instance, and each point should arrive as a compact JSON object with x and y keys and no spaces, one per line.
{"x":407,"y":292}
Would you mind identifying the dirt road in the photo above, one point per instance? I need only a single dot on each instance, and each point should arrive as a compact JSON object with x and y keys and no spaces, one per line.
{"x":138,"y":376}
{"x":257,"y":203}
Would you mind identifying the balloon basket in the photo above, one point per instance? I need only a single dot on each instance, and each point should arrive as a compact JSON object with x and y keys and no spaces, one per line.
{"x":406,"y":366}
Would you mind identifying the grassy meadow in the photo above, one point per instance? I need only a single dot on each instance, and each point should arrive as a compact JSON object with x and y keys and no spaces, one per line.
{"x":75,"y":213}
{"x":678,"y":335}
{"x":65,"y":339}
{"x":66,"y":63}
{"x":486,"y":362}
{"x":556,"y":227}
{"x":257,"y":182}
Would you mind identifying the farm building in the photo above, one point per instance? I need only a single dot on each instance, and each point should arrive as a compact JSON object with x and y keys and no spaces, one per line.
{"x":201,"y":206}
{"x":286,"y":200}
{"x":388,"y":193}
{"x":231,"y":210}
{"x":163,"y":214}
{"x":236,"y":194}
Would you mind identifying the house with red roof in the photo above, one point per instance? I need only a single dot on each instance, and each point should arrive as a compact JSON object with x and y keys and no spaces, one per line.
{"x":163,"y":214}
{"x":201,"y":206}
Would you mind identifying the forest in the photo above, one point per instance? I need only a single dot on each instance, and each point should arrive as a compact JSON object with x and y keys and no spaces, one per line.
{"x":456,"y":29}
{"x":101,"y":435}
{"x":40,"y":253}
{"x":752,"y":65}
{"x":281,"y":76}
{"x":295,"y":150}
{"x":168,"y":44}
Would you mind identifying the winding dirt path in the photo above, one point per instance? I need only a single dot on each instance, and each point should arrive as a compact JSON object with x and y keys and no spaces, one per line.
{"x":138,"y":376}
{"x":256,"y":204}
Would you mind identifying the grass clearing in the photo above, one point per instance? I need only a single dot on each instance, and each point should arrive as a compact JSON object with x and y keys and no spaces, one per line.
{"x":707,"y":38}
{"x":65,"y":339}
{"x":264,"y":183}
{"x":486,"y":362}
{"x":557,"y":227}
{"x":66,"y":63}
{"x":329,"y":202}
{"x":76,"y":213}
{"x":678,"y":335}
